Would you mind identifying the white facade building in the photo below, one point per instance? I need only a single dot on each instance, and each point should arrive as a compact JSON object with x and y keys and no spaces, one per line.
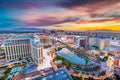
{"x":100,"y":42}
{"x":23,"y":47}
{"x":93,"y":41}
{"x":37,"y":52}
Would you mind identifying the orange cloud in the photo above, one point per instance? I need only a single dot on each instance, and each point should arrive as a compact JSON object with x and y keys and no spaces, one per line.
{"x":110,"y":25}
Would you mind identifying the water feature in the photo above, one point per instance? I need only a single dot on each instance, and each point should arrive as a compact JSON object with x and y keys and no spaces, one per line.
{"x":13,"y":71}
{"x":10,"y":76}
{"x":72,"y":57}
{"x":16,"y":69}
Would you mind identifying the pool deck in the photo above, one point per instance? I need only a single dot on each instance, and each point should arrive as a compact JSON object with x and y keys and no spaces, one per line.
{"x":13,"y":71}
{"x":42,"y":69}
{"x":47,"y":60}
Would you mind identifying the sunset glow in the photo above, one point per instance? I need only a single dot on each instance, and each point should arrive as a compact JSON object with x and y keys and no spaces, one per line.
{"x":60,"y":14}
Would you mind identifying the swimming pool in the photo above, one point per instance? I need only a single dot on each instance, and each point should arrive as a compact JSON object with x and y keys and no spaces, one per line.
{"x":10,"y":76}
{"x":30,"y":69}
{"x":16,"y":69}
{"x":13,"y":71}
{"x":68,"y":55}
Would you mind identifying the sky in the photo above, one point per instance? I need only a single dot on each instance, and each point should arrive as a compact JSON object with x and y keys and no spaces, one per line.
{"x":60,"y":14}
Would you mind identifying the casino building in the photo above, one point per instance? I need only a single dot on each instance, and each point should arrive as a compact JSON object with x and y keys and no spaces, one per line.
{"x":99,"y":41}
{"x":19,"y":47}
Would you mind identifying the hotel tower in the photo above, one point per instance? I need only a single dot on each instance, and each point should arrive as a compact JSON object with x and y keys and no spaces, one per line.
{"x":20,"y":47}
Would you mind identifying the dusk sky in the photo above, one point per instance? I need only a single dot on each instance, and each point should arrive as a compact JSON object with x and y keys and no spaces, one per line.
{"x":60,"y":14}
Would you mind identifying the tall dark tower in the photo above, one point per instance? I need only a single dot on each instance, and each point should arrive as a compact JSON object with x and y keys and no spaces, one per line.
{"x":44,"y":31}
{"x":87,"y":42}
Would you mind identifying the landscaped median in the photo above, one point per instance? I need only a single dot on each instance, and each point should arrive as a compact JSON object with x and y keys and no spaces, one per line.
{"x":91,"y":77}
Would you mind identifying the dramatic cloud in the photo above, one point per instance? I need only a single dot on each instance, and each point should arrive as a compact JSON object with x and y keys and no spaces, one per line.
{"x":49,"y":21}
{"x":9,"y":24}
{"x":24,"y":4}
{"x":60,"y":14}
{"x":85,"y":3}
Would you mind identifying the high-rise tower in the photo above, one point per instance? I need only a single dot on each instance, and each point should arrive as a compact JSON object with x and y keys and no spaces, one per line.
{"x":87,"y":41}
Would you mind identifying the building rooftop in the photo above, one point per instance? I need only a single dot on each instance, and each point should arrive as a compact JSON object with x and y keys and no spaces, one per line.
{"x":38,"y":43}
{"x":20,"y":37}
{"x":30,"y":37}
{"x":24,"y":37}
{"x":102,"y":37}
{"x":8,"y":41}
{"x":60,"y":74}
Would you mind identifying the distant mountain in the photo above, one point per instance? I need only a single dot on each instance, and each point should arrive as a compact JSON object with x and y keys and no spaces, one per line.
{"x":21,"y":30}
{"x":26,"y":29}
{"x":105,"y":30}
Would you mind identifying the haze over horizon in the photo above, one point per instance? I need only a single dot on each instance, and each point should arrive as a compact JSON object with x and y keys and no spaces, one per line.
{"x":60,"y":14}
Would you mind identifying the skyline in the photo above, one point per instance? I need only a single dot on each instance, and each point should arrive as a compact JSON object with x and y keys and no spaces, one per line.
{"x":60,"y":14}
